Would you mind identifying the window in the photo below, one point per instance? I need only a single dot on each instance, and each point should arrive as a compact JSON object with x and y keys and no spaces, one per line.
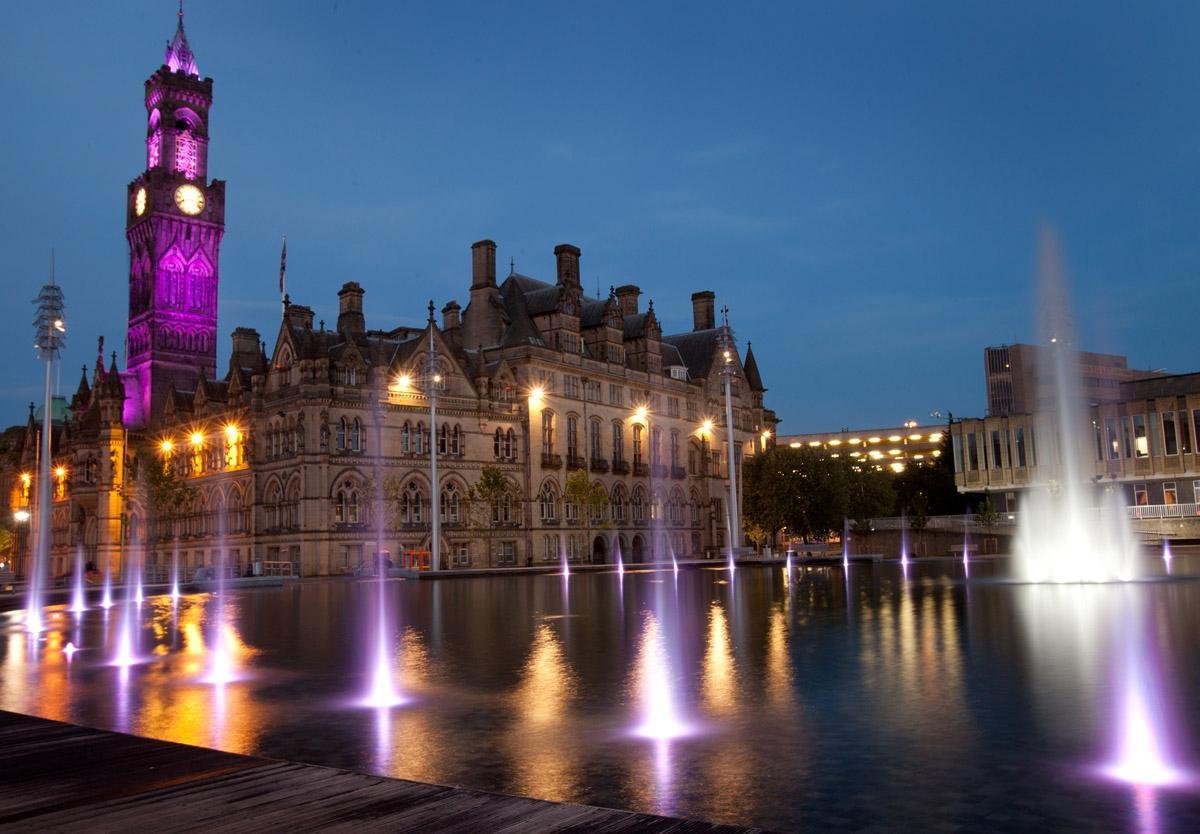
{"x":1185,"y":435}
{"x":672,"y":406}
{"x":355,"y":443}
{"x":443,"y":439}
{"x":692,"y":414}
{"x":418,"y":440}
{"x":1111,"y":444}
{"x":410,"y":504}
{"x":972,"y":452}
{"x":1020,"y":438}
{"x":504,"y":444}
{"x":572,"y":435}
{"x":498,"y":444}
{"x":1125,"y":436}
{"x":597,"y":450}
{"x":618,"y":503}
{"x":547,"y":432}
{"x":618,"y":441}
{"x":1140,"y":496}
{"x":1152,"y":424}
{"x":637,"y":444}
{"x":1170,"y":439}
{"x":1170,"y":494}
{"x":1196,"y":492}
{"x":506,"y":554}
{"x":405,"y":437}
{"x":995,"y":449}
{"x":694,"y":505}
{"x":638,"y":505}
{"x":616,"y":395}
{"x":655,"y":446}
{"x":341,"y":435}
{"x":550,"y":545}
{"x":1140,"y":447}
{"x":571,"y":512}
{"x":461,"y":555}
{"x":674,"y":449}
{"x":571,"y":386}
{"x":346,"y":504}
{"x":591,"y":390}
{"x":450,"y":503}
{"x":548,"y":504}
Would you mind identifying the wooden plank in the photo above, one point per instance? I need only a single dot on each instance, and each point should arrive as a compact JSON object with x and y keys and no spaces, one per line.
{"x":56,"y":776}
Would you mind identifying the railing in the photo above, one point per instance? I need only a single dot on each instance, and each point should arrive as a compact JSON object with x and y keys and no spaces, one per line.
{"x":678,"y":472}
{"x":575,"y":462}
{"x":276,"y":569}
{"x":640,"y":470}
{"x":599,"y":465}
{"x":551,"y":461}
{"x":620,"y":467}
{"x":1138,"y":512}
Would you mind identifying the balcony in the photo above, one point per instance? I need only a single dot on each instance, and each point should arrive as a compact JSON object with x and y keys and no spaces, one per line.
{"x":599,"y":465}
{"x":620,"y":467}
{"x":640,"y":470}
{"x":575,"y":462}
{"x":550,"y":461}
{"x":660,"y":470}
{"x":678,"y":473}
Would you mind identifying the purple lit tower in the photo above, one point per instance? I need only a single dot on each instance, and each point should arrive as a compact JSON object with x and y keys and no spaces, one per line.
{"x":174,"y":226}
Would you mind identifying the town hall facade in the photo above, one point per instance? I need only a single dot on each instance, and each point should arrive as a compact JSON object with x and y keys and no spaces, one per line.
{"x":316,"y":452}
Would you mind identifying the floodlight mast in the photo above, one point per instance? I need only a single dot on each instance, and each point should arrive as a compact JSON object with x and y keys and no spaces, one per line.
{"x":49,"y":336}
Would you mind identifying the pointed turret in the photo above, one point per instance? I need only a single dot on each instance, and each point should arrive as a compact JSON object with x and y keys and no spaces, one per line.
{"x":750,"y":366}
{"x":179,"y":53}
{"x":83,"y":394}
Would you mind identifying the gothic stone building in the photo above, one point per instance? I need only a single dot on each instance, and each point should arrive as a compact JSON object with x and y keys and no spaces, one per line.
{"x":318,"y":452}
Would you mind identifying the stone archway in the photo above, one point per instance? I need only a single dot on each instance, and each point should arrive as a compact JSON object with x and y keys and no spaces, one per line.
{"x":600,"y":550}
{"x":638,"y":549}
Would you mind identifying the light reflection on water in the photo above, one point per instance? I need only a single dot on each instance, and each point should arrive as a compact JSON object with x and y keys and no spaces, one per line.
{"x":804,"y":692}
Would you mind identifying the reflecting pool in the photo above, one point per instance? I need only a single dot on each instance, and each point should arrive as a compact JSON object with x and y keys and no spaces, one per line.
{"x":820,"y":698}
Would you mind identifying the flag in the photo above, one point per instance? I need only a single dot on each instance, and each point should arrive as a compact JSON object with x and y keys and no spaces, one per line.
{"x":282,"y":264}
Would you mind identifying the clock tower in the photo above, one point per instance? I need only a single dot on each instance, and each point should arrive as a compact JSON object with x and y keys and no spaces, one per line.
{"x":175,"y":219}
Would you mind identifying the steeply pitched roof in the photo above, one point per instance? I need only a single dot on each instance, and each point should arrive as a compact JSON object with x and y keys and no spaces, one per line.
{"x":179,"y":53}
{"x":696,"y":348}
{"x":750,"y":367}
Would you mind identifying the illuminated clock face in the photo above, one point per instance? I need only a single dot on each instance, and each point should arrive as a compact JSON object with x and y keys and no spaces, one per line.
{"x":190,"y":199}
{"x":139,"y":202}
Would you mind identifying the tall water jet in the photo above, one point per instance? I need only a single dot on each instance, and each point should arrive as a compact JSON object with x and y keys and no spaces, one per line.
{"x":845,"y":544}
{"x":382,"y":691}
{"x":1166,"y":555}
{"x":903,"y":539}
{"x":1067,"y":533}
{"x":78,"y":595}
{"x":125,"y":654}
{"x":175,"y":576}
{"x":660,"y":717}
{"x":619,"y":555}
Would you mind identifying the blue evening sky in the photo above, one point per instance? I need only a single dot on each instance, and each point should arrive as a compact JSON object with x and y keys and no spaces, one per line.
{"x":862,"y":183}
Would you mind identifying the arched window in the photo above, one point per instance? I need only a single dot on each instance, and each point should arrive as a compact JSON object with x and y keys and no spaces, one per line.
{"x":291,"y":511}
{"x":656,"y":506}
{"x":618,"y":441}
{"x":405,"y":437}
{"x":410,"y":503}
{"x":694,"y":506}
{"x":600,"y":511}
{"x":548,"y":503}
{"x":510,"y":445}
{"x":443,"y":439}
{"x":498,"y":445}
{"x":675,"y":507}
{"x":637,"y":444}
{"x":656,"y":446}
{"x":638,"y":505}
{"x":572,"y":437}
{"x":418,"y":440}
{"x":674,"y":449}
{"x":456,"y":440}
{"x":617,"y":502}
{"x":450,"y":499}
{"x":356,"y":436}
{"x":341,"y":435}
{"x":596,"y":449}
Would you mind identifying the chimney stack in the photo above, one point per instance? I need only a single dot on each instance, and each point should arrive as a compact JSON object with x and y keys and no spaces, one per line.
{"x":350,"y":309}
{"x":483,"y":264}
{"x":627,"y":299}
{"x":450,"y":316}
{"x":704,"y":310}
{"x":568,"y":264}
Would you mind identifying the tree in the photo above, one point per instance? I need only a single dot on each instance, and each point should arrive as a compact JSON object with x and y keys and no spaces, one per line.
{"x":796,"y":488}
{"x":872,"y":494}
{"x":484,"y":501}
{"x":162,"y":487}
{"x":590,"y":498}
{"x":987,"y":514}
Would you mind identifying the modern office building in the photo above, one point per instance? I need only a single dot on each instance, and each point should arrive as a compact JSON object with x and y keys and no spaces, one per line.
{"x":1018,"y":378}
{"x":894,"y":448}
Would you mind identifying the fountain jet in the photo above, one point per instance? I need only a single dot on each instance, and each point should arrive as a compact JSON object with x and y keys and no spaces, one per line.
{"x":78,"y":596}
{"x":1068,"y":531}
{"x":660,"y":717}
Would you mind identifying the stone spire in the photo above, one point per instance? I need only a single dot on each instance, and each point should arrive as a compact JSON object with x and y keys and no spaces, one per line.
{"x":179,"y":54}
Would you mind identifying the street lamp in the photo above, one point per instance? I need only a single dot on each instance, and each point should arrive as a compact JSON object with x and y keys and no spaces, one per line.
{"x":49,"y":330}
{"x":728,"y":371}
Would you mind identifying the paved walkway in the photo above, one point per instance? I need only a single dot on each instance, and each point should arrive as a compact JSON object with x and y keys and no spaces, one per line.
{"x":60,"y":777}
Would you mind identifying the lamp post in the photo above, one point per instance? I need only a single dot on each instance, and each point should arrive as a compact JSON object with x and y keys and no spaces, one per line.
{"x":48,"y":329}
{"x":728,"y":372}
{"x":433,"y":378}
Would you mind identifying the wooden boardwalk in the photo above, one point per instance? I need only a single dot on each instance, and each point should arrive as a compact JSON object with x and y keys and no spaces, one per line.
{"x":61,"y":777}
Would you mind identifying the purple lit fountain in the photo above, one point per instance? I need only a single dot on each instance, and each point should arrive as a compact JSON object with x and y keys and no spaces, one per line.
{"x":78,"y":595}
